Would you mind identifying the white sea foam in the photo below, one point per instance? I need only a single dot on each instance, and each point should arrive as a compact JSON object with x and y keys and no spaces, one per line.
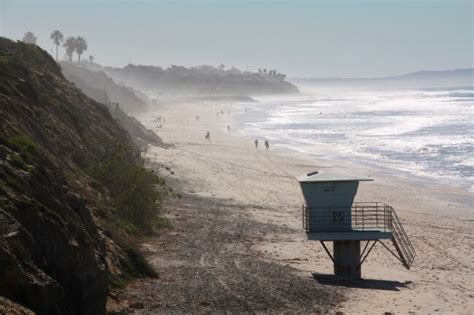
{"x":427,"y":133}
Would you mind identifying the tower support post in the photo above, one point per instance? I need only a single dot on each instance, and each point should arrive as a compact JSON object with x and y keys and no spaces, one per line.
{"x":347,"y":259}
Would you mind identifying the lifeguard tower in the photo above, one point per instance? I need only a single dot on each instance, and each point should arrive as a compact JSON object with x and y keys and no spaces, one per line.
{"x":330,"y":214}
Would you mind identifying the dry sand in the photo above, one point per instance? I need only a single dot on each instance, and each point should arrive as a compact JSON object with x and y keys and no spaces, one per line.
{"x":254,"y":192}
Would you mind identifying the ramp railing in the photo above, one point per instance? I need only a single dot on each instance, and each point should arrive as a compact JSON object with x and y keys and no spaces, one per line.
{"x":401,"y":242}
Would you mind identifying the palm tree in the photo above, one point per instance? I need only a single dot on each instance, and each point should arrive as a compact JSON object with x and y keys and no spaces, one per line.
{"x":70,"y":45}
{"x":29,"y":38}
{"x":57,"y":38}
{"x":81,"y":46}
{"x":91,"y":59}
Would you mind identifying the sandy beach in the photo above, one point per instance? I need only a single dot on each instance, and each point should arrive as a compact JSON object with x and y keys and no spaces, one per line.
{"x":237,"y":242}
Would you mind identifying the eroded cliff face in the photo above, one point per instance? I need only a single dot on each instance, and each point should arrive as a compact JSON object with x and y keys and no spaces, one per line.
{"x":52,"y":253}
{"x":11,"y":308}
{"x":52,"y":258}
{"x":117,"y":98}
{"x":100,"y":87}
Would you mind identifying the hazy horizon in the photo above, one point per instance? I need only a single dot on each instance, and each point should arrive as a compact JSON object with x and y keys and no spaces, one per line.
{"x":300,"y":39}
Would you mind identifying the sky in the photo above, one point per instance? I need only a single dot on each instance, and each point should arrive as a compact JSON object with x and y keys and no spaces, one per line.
{"x":363,"y":38}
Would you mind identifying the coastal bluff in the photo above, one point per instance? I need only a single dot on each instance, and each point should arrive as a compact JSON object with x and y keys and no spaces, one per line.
{"x":100,"y":87}
{"x":58,"y":253}
{"x":202,"y":80}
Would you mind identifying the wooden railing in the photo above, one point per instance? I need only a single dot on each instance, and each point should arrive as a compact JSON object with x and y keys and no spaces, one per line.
{"x":402,"y":243}
{"x":363,"y":216}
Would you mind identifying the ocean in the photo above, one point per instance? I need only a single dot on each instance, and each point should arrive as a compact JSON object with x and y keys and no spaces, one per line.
{"x":423,"y":133}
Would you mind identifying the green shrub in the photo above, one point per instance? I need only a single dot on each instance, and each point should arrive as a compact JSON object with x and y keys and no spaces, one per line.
{"x":17,"y":161}
{"x":14,"y":183}
{"x":23,"y":143}
{"x":161,"y":222}
{"x":136,"y":265}
{"x":134,"y":190}
{"x":25,"y":146}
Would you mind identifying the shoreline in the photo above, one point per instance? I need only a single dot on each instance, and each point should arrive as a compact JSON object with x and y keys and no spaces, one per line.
{"x":400,"y":175}
{"x":462,"y":195}
{"x":409,"y":169}
{"x":228,"y":171}
{"x":369,"y":166}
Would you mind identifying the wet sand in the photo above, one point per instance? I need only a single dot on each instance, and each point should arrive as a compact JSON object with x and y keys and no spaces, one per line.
{"x":238,"y":245}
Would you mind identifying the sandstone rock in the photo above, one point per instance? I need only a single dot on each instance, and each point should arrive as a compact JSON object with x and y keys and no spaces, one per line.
{"x":8,"y":307}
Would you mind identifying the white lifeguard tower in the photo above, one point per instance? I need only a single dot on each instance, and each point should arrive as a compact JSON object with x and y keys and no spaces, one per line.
{"x":330,"y":214}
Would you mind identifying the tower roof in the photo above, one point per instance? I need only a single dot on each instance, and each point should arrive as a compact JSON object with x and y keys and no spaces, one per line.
{"x":332,"y":176}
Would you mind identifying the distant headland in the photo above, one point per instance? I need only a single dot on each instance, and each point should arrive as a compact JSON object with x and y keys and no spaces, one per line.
{"x":202,"y":80}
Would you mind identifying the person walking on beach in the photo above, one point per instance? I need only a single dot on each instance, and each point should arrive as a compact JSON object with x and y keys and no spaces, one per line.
{"x":267,"y":145}
{"x":228,"y":128}
{"x":256,"y":143}
{"x":208,"y":135}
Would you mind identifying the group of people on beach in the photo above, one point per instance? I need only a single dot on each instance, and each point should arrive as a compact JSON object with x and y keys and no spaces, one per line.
{"x":267,"y":144}
{"x":222,"y":112}
{"x":208,"y":134}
